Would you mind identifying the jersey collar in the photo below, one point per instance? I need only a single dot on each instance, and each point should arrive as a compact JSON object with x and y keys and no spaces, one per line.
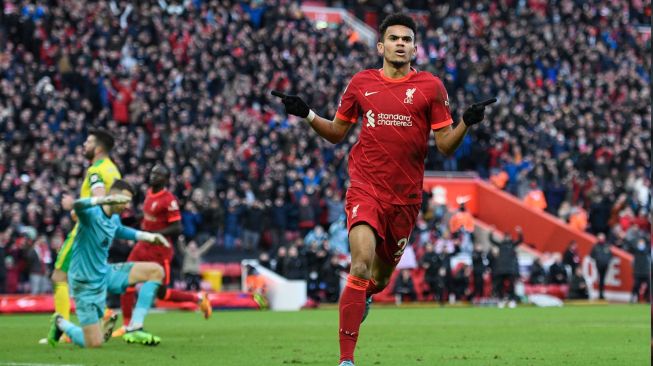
{"x":97,"y":163}
{"x":159,"y":193}
{"x":408,"y":76}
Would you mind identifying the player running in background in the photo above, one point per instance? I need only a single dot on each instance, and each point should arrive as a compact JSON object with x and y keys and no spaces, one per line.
{"x":400,"y":106}
{"x":98,"y":180}
{"x":161,"y":215}
{"x":91,"y":276}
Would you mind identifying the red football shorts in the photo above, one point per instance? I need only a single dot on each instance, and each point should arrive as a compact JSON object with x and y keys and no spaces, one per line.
{"x":392,"y":223}
{"x":144,"y":252}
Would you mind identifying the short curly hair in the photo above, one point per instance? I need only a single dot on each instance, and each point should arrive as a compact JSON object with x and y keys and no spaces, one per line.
{"x":104,"y":138}
{"x":397,"y":19}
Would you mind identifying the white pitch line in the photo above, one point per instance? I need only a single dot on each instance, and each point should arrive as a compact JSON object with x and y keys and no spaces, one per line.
{"x":36,"y":364}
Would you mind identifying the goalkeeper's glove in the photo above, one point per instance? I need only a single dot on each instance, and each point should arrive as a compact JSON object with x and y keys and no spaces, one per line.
{"x":154,"y":238}
{"x":475,"y":113}
{"x":112,"y":199}
{"x":295,"y":105}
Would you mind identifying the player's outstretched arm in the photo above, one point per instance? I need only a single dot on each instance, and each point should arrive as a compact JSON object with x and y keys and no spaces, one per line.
{"x":114,"y":199}
{"x":332,"y":131}
{"x":447,"y":139}
{"x":81,"y":206}
{"x":154,"y":238}
{"x":127,"y":233}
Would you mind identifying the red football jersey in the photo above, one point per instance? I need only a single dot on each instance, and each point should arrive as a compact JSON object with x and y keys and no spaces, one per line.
{"x":159,"y":210}
{"x":398,"y":116}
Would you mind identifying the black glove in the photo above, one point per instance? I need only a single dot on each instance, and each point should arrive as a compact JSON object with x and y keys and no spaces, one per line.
{"x":474,"y":114}
{"x":294,"y":104}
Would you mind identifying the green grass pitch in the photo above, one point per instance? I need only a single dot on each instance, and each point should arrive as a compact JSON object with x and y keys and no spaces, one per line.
{"x":573,"y":335}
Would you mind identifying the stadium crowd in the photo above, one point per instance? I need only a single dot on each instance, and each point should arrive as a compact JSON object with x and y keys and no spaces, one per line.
{"x":189,"y":85}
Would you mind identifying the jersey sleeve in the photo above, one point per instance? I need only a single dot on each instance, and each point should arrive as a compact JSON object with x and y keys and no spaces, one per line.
{"x":173,"y":209}
{"x":95,"y":178}
{"x":349,"y":109}
{"x":84,"y":210}
{"x":109,"y":175}
{"x":440,"y":115}
{"x":124,"y":232}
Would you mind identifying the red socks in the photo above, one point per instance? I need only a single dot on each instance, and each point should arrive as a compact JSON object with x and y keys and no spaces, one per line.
{"x":180,"y":296}
{"x":127,"y":302}
{"x":352,"y":307}
{"x":371,"y":288}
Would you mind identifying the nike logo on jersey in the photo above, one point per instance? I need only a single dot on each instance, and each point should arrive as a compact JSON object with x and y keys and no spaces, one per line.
{"x":367,"y":94}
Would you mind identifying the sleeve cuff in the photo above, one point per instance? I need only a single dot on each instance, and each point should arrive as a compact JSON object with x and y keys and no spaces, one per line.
{"x":438,"y":125}
{"x":174,"y":218}
{"x":345,"y":118}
